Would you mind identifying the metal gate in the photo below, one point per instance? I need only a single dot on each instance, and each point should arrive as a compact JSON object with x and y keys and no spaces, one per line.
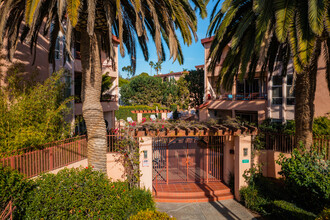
{"x":187,"y":159}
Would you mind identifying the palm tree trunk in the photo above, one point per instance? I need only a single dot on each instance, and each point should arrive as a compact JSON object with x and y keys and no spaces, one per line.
{"x":92,"y":109}
{"x":305,"y":86}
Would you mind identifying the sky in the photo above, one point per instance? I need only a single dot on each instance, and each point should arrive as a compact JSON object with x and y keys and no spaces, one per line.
{"x":193,"y":55}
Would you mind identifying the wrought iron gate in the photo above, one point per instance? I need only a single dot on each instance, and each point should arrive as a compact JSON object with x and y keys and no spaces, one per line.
{"x":187,"y":159}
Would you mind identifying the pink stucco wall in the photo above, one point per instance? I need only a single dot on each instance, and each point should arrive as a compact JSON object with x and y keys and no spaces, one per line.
{"x":268,"y":158}
{"x":115,"y":167}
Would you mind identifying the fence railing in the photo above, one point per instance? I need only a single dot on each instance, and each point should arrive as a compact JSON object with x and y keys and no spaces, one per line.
{"x":34,"y":161}
{"x":286,"y":143}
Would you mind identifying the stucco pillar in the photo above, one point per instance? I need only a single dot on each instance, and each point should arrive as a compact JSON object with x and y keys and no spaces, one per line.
{"x":228,"y":159}
{"x":269,"y":98}
{"x":145,"y":144}
{"x":139,"y":117}
{"x":242,"y":161}
{"x":164,"y":115}
{"x":203,"y":114}
{"x":284,"y":95}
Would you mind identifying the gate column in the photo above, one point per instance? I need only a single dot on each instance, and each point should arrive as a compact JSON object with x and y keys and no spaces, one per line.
{"x":228,"y":158}
{"x":145,"y":145}
{"x":242,"y":161}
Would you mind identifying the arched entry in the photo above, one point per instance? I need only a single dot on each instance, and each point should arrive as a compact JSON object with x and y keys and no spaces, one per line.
{"x":187,"y":159}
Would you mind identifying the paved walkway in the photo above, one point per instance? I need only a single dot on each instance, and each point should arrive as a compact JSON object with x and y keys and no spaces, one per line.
{"x":226,"y":209}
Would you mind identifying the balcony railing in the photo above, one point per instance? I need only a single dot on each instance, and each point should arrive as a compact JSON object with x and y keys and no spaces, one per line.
{"x":104,"y":98}
{"x":244,"y":97}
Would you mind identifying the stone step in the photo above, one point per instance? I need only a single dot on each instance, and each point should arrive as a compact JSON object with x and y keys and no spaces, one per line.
{"x":190,"y":194}
{"x":180,"y":199}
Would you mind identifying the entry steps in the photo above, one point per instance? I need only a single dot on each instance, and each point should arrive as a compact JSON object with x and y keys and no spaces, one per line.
{"x":191,"y":192}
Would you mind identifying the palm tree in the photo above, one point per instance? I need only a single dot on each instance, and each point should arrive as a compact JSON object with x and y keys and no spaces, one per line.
{"x":158,"y":66}
{"x":93,"y":23}
{"x":151,"y":64}
{"x":269,"y":33}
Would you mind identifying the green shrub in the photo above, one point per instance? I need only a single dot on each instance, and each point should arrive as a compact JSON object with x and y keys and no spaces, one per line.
{"x":84,"y":194}
{"x":151,"y":214}
{"x":321,"y":126}
{"x":13,"y":187}
{"x":307,"y":177}
{"x":126,"y":111}
{"x":252,"y":200}
{"x":324,"y":215}
{"x":286,"y":210}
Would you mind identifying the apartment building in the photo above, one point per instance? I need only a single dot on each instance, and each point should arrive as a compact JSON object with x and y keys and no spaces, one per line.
{"x":42,"y":69}
{"x":263,"y":97}
{"x":171,"y":76}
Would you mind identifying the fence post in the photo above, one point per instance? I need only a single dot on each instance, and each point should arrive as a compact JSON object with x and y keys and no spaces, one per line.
{"x":12,"y":162}
{"x":79,"y":150}
{"x":51,"y":159}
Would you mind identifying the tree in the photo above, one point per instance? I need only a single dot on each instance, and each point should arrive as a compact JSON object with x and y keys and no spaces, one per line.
{"x":142,"y":90}
{"x":93,"y":23}
{"x":123,"y":81}
{"x":195,"y":83}
{"x":151,"y":64}
{"x":34,"y":116}
{"x":158,"y":66}
{"x":128,"y":69}
{"x":183,"y":93}
{"x":273,"y":33}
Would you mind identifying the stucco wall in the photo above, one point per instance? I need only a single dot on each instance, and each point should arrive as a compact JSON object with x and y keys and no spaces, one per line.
{"x":268,"y":158}
{"x":115,"y":167}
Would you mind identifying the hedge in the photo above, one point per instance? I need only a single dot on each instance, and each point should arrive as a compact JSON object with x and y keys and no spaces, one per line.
{"x":84,"y":194}
{"x":125,"y":111}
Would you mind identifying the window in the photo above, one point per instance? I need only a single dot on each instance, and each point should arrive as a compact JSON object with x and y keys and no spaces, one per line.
{"x":277,"y":90}
{"x":290,"y":100}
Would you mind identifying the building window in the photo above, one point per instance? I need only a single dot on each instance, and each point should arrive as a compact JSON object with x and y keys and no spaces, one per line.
{"x":277,"y":90}
{"x":290,"y":100}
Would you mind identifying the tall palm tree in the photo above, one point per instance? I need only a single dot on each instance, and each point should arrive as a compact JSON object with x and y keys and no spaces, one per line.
{"x":93,"y":23}
{"x":269,"y":33}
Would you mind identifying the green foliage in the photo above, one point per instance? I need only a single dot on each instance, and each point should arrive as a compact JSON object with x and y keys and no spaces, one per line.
{"x":13,"y":187}
{"x":321,"y":126}
{"x":324,"y":215}
{"x":252,"y":200}
{"x":151,"y":214}
{"x":286,"y":210}
{"x":148,"y":90}
{"x":125,"y":111}
{"x":307,"y":175}
{"x":84,"y":194}
{"x":106,"y":83}
{"x":34,"y":117}
{"x":123,"y":81}
{"x":142,"y":90}
{"x":195,"y":81}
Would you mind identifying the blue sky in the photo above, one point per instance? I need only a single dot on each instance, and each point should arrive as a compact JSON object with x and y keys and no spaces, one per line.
{"x":193,"y":55}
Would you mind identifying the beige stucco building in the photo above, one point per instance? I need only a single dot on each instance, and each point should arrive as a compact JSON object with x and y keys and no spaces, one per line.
{"x":42,"y":69}
{"x":266,"y":97}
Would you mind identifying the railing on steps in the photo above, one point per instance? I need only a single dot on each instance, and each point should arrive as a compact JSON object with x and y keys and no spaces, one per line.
{"x":8,"y":212}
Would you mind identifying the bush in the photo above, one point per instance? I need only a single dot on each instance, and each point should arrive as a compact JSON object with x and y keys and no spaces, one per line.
{"x":324,"y":215}
{"x":151,"y":214}
{"x":286,"y":210}
{"x":126,"y":111}
{"x":307,"y":177}
{"x":13,"y":187}
{"x":252,"y":200}
{"x":84,"y":194}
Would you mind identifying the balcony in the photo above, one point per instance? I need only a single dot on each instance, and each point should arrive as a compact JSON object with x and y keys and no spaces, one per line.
{"x":104,"y":98}
{"x":108,"y":102}
{"x":244,"y":97}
